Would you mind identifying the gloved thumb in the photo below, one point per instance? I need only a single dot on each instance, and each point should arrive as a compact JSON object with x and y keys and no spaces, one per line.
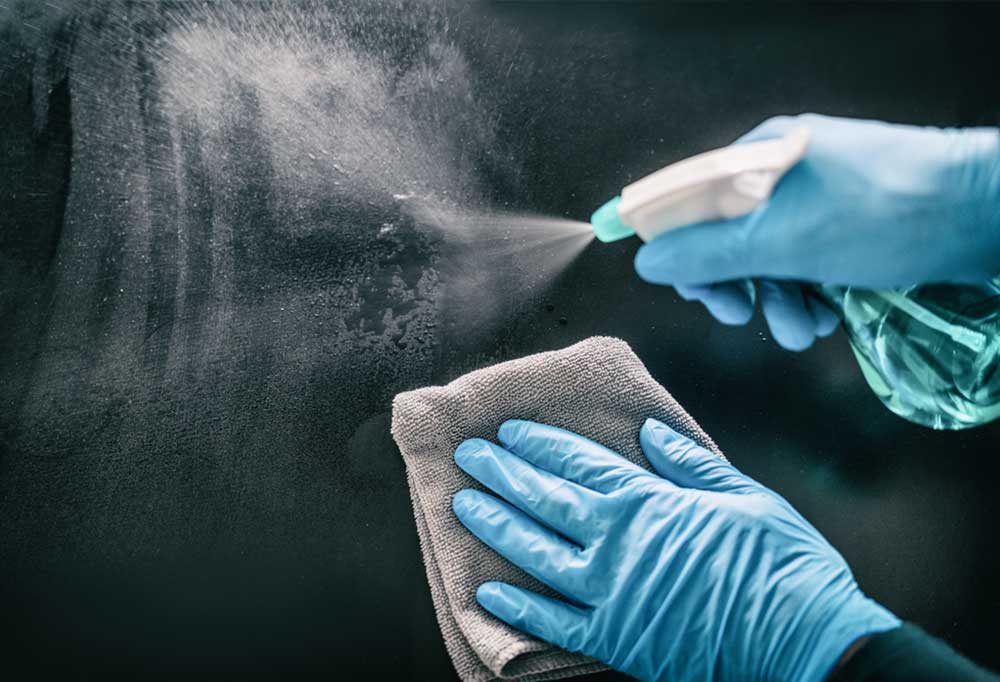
{"x":682,"y":461}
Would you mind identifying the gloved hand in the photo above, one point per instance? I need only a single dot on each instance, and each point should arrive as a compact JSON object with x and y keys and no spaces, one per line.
{"x":694,"y":573}
{"x":871,"y":204}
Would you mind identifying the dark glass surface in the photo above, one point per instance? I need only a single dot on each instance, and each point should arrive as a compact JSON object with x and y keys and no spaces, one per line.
{"x":229,"y":234}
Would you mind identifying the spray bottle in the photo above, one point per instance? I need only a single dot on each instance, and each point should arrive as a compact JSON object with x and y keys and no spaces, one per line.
{"x":931,"y":353}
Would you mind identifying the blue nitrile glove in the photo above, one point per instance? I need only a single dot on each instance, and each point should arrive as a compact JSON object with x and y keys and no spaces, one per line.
{"x":871,"y":204}
{"x":692,"y":573}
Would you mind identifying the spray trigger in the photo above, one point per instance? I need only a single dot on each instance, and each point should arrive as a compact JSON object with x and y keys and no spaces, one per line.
{"x":719,"y":184}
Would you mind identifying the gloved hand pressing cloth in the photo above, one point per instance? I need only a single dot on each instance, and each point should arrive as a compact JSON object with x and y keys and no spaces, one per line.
{"x":597,"y":388}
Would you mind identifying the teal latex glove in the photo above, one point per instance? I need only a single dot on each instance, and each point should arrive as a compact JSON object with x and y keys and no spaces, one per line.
{"x":695,"y":572}
{"x":871,"y":204}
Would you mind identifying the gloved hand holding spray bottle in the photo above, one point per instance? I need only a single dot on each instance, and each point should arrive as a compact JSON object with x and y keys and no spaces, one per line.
{"x":895,"y":228}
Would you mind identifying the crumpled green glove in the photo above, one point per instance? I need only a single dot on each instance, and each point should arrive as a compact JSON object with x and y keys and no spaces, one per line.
{"x":695,"y":572}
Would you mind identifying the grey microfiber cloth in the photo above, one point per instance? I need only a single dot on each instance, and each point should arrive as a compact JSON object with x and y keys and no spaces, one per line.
{"x":597,"y":388}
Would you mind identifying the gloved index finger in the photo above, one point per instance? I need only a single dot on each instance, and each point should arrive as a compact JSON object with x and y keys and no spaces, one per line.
{"x":679,"y":459}
{"x":569,"y":455}
{"x":524,"y":542}
{"x":565,"y":506}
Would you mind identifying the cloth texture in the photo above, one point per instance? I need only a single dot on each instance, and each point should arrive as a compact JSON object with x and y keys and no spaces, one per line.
{"x":597,"y":388}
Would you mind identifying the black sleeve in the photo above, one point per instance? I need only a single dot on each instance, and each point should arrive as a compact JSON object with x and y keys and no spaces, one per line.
{"x":908,"y":654}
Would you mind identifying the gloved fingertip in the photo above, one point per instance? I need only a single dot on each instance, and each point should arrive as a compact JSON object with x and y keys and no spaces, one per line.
{"x":790,"y":321}
{"x":489,"y":592}
{"x":656,"y":436}
{"x":511,"y":431}
{"x":826,"y":331}
{"x":653,"y":431}
{"x":496,"y":598}
{"x":692,"y":292}
{"x":827,"y":320}
{"x":469,"y":449}
{"x":652,"y":423}
{"x":794,"y":339}
{"x":729,"y":303}
{"x":463,"y":501}
{"x":735,"y":317}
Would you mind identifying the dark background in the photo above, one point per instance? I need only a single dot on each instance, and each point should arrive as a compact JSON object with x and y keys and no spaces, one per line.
{"x":210,"y":290}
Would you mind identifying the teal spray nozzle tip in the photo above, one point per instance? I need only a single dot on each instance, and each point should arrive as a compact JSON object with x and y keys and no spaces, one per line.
{"x":608,"y":227}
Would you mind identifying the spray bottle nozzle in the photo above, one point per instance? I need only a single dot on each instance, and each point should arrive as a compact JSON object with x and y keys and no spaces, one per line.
{"x":608,"y":226}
